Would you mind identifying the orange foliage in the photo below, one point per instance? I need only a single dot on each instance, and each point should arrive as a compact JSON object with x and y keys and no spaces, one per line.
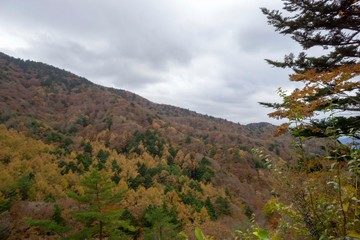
{"x":338,"y":81}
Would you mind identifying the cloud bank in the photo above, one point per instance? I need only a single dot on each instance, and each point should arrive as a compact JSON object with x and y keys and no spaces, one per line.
{"x":204,"y":55}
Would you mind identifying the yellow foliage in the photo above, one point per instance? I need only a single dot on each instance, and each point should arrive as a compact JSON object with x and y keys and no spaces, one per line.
{"x":22,"y":155}
{"x":184,"y":214}
{"x":172,"y":198}
{"x":139,"y":200}
{"x":202,"y":216}
{"x":179,"y":158}
{"x":148,"y":160}
{"x":210,"y":190}
{"x":123,"y":185}
{"x":156,"y":125}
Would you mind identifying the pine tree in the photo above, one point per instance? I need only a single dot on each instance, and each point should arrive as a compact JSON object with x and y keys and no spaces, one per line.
{"x":54,"y":225}
{"x":333,"y":25}
{"x":161,"y":224}
{"x":101,"y":218}
{"x":210,"y":209}
{"x":331,"y":86}
{"x":330,"y":80}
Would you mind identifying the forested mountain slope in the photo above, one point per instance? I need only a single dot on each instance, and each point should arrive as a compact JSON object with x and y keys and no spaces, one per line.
{"x":57,"y":127}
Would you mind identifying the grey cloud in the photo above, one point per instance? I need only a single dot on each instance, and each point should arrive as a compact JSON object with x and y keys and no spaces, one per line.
{"x":201,"y":55}
{"x":262,"y":39}
{"x":97,"y":66}
{"x":156,"y":52}
{"x":258,"y":37}
{"x":140,"y":30}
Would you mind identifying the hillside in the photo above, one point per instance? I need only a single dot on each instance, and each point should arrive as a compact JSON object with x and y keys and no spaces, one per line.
{"x":57,"y":127}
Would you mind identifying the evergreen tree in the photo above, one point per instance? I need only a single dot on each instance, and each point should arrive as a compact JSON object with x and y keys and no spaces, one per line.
{"x":333,"y":25}
{"x":24,"y":185}
{"x":210,"y":209}
{"x":87,"y":147}
{"x":101,"y":218}
{"x":161,"y":224}
{"x":330,"y":83}
{"x":320,"y":208}
{"x":222,"y":205}
{"x":102,"y":157}
{"x":55,"y":225}
{"x":57,"y":218}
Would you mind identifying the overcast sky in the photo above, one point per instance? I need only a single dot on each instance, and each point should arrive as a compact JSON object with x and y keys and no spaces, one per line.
{"x":203,"y":55}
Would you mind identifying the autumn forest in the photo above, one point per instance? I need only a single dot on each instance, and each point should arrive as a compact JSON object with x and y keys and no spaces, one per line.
{"x":83,"y":161}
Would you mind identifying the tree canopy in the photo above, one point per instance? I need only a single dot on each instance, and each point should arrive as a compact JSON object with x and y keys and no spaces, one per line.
{"x":333,"y":25}
{"x":331,"y":83}
{"x":318,"y":196}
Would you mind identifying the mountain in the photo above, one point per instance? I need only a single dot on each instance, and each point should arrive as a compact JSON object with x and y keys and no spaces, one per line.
{"x":54,"y":121}
{"x":350,"y":141}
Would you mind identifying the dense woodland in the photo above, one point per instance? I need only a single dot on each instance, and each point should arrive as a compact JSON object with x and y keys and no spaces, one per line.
{"x":81,"y":161}
{"x":58,"y":129}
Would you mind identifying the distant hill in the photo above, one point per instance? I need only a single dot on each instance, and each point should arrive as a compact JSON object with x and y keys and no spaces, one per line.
{"x":34,"y":91}
{"x":350,"y":141}
{"x":70,"y":114}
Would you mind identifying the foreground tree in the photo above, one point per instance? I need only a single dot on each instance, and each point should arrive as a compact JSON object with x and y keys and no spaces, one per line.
{"x":319,"y":198}
{"x":330,"y":80}
{"x":160,"y":224}
{"x":333,"y":25}
{"x":102,"y":216}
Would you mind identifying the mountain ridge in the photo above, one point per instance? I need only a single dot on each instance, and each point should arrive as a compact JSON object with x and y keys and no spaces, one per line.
{"x":128,"y":95}
{"x":68,"y":82}
{"x":75,"y":116}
